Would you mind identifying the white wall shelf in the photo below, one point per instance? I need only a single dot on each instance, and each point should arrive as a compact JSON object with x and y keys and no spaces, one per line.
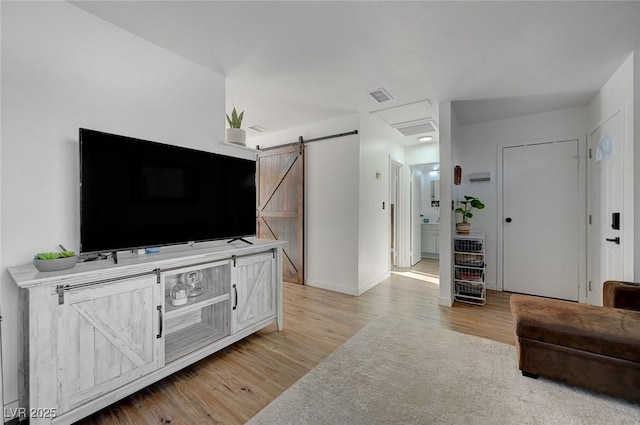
{"x":237,"y":146}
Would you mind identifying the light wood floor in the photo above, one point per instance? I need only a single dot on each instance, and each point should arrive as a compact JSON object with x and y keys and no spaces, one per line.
{"x":232,"y":385}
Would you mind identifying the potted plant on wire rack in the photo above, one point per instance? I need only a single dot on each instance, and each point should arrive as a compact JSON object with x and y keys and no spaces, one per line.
{"x":469,"y":203}
{"x":234,"y":133}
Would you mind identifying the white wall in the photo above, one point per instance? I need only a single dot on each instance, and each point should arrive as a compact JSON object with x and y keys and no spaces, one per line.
{"x":332,"y":214}
{"x":422,"y":154}
{"x":478,"y":146}
{"x":331,"y":203}
{"x":378,"y":144}
{"x":62,"y":69}
{"x":449,"y":129}
{"x":618,"y":93}
{"x":347,"y":231}
{"x":342,"y":124}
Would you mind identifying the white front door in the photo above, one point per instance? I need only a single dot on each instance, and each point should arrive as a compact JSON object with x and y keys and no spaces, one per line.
{"x":540,"y":219}
{"x":606,"y":185}
{"x":416,"y":220}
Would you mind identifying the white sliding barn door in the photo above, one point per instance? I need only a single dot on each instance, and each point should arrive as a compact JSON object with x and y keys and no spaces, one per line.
{"x":540,"y":219}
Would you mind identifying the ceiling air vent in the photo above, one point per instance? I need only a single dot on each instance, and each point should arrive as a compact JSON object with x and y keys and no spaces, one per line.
{"x":380,"y":95}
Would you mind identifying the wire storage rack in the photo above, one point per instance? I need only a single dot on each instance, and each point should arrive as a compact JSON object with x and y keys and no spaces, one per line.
{"x":469,"y":263}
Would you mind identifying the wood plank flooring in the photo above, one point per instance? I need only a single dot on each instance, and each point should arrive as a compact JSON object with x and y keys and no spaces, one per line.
{"x":232,"y":385}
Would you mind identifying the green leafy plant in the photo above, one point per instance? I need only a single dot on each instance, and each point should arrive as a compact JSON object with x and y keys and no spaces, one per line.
{"x":235,"y":121}
{"x":54,"y":255}
{"x":469,"y":203}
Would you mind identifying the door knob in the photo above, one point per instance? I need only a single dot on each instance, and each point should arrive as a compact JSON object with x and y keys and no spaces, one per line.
{"x":508,"y":220}
{"x":615,"y":240}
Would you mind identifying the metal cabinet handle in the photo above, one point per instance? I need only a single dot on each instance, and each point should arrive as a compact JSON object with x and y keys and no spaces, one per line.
{"x":159,"y":308}
{"x":235,"y":290}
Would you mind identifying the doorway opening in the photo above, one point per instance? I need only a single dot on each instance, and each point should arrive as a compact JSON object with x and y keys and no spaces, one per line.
{"x":394,"y":211}
{"x":425,"y":211}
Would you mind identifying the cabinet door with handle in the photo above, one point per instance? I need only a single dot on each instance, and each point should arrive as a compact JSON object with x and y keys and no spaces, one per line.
{"x":253,"y":290}
{"x":107,"y":336}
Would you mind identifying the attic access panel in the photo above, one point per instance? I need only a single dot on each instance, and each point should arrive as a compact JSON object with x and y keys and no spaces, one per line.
{"x":413,"y":128}
{"x":410,"y":119}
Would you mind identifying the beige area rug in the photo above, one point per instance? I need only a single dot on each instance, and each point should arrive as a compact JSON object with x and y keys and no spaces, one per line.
{"x":405,"y":372}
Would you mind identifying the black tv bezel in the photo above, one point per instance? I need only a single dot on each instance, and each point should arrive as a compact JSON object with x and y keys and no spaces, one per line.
{"x":177,"y":243}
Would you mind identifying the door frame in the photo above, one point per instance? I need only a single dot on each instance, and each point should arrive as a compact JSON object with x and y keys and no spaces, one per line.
{"x":627,"y":207}
{"x":395,"y":169}
{"x":401,"y":214}
{"x":581,"y":217}
{"x":413,"y":170}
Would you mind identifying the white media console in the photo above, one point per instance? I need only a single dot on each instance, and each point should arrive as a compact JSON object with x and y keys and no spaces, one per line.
{"x":98,"y":332}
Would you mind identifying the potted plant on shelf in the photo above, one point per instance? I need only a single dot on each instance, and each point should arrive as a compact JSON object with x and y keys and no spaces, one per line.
{"x":469,"y":203}
{"x":54,"y":261}
{"x":234,"y":133}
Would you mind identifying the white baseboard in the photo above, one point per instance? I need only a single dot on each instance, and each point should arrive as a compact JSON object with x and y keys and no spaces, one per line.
{"x":348,"y":289}
{"x":492,"y":286}
{"x":332,"y":287}
{"x":373,"y":282}
{"x":447,"y":302}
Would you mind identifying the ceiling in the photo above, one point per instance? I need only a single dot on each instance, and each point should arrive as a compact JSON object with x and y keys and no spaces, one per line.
{"x":295,"y":62}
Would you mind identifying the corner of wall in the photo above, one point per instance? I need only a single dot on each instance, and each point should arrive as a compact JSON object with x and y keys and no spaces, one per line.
{"x":373,"y":283}
{"x":378,"y":143}
{"x":448,"y":127}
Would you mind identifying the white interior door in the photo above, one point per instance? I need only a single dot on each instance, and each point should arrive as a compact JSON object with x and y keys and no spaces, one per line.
{"x":540,"y":219}
{"x":606,"y":185}
{"x":416,"y":220}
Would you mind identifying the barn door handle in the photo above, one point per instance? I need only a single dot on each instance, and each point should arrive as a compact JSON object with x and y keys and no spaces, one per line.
{"x":616,"y":240}
{"x":235,"y":290}
{"x":159,"y":308}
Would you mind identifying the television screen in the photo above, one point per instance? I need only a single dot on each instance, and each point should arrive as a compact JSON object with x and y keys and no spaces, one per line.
{"x":136,"y":193}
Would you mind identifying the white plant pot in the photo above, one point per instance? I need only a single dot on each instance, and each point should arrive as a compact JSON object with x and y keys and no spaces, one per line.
{"x":237,"y":136}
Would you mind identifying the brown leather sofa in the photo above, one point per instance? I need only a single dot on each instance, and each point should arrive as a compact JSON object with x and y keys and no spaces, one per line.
{"x":596,"y":348}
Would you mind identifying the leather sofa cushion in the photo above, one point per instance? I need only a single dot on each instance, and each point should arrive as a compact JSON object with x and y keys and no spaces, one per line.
{"x":608,"y":331}
{"x":621,"y":295}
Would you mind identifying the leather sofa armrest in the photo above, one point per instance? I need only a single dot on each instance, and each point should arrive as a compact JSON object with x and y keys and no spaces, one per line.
{"x":620,"y":294}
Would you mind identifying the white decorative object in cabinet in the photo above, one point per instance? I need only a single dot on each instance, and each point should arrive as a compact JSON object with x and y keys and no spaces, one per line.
{"x":469,"y":268}
{"x":204,"y":319}
{"x":96,"y":333}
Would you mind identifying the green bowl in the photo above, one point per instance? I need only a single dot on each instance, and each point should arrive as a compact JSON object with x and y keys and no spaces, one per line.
{"x":55,"y":265}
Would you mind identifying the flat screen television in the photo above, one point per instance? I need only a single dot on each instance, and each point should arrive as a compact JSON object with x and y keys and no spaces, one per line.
{"x":138,"y":194}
